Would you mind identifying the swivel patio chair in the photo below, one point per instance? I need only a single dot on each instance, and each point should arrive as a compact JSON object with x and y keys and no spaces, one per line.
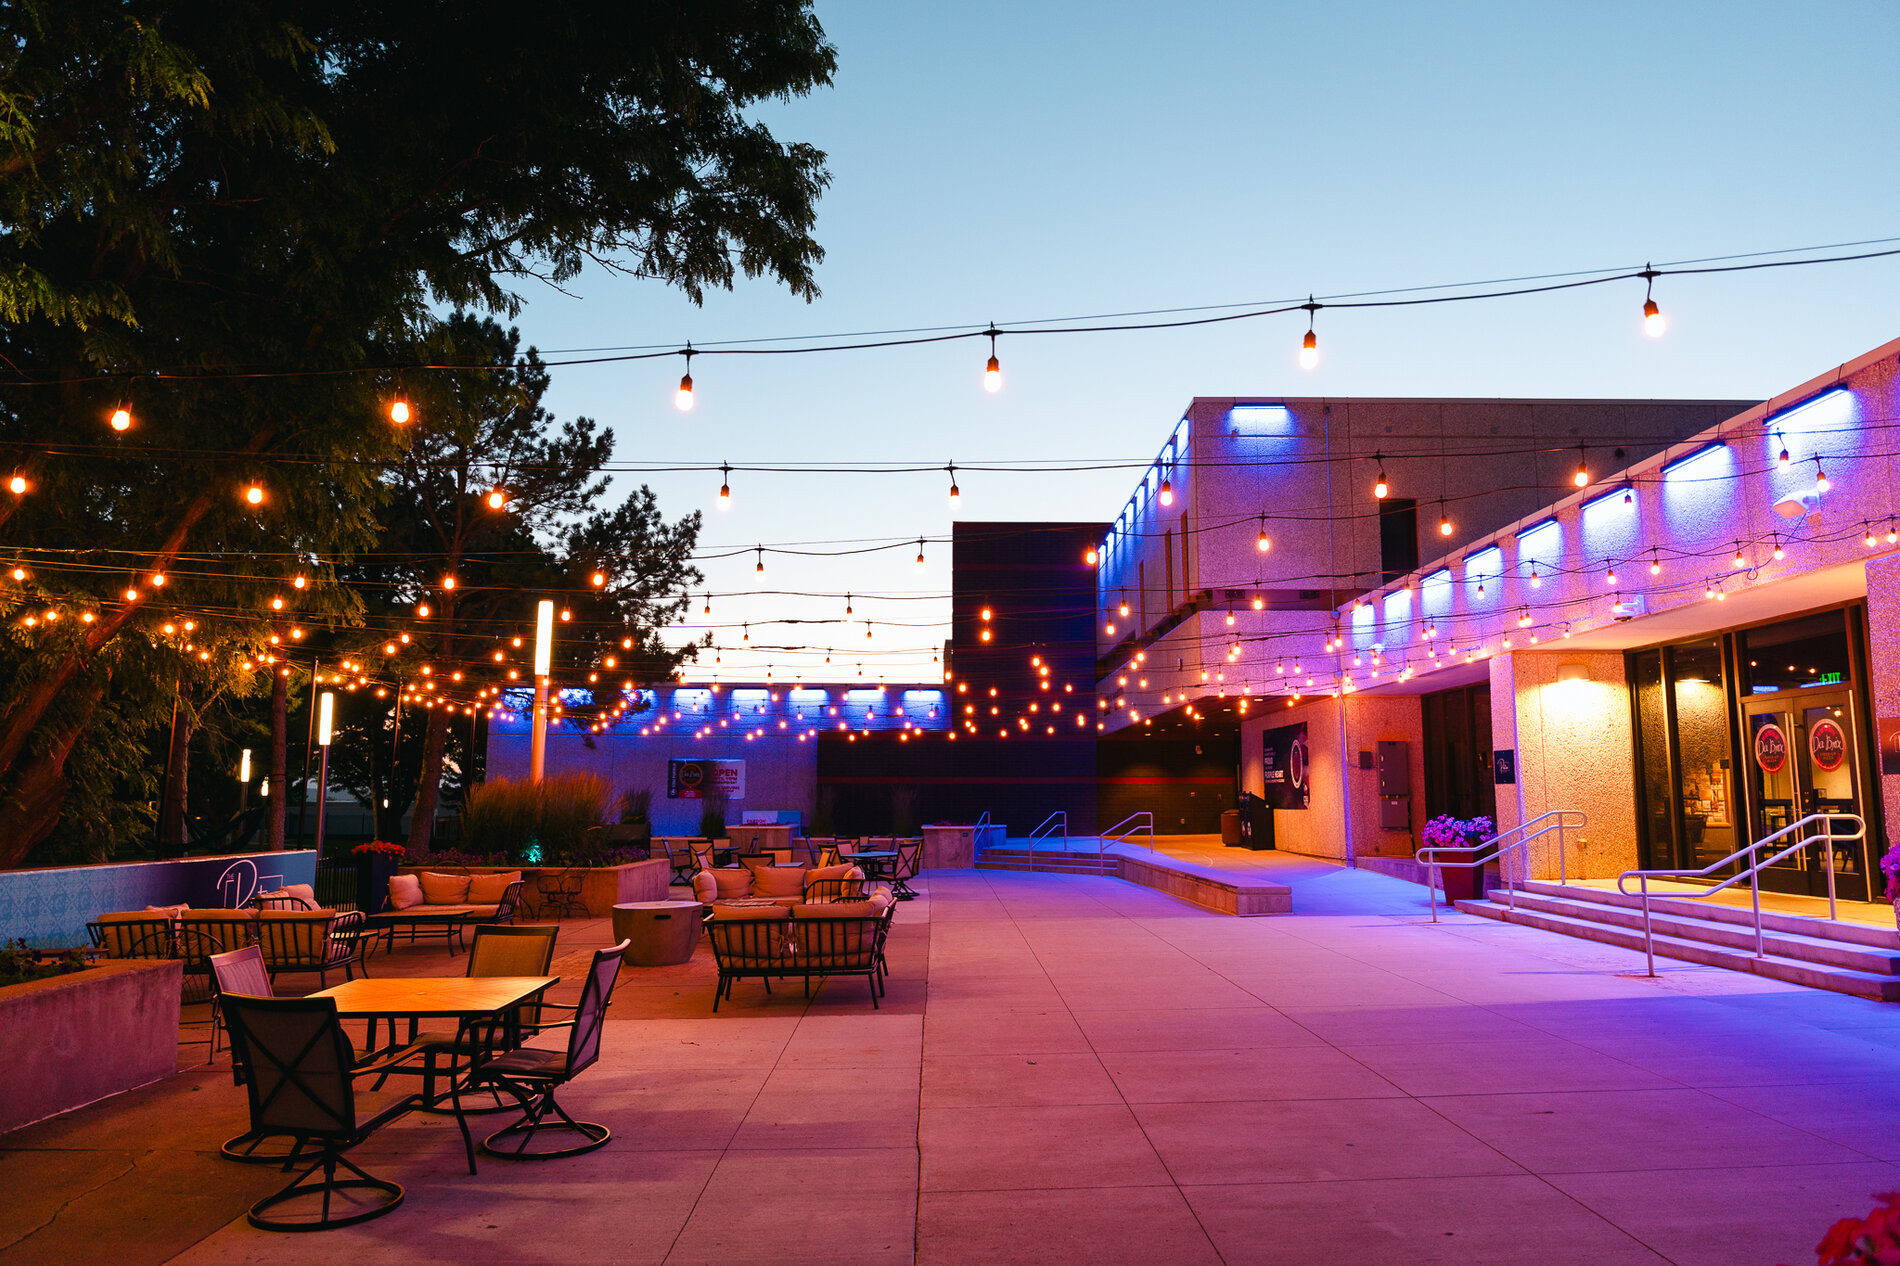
{"x":909,"y":857}
{"x":561,"y":894}
{"x":242,"y":972}
{"x":531,"y":1075}
{"x":300,"y":1073}
{"x":497,"y":951}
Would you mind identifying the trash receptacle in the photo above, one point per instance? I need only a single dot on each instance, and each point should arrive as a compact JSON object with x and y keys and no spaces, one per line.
{"x":1230,"y":828}
{"x":1256,"y":822}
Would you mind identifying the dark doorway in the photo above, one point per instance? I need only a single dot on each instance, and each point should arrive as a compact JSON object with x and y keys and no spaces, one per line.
{"x":1458,"y":753}
{"x":1398,"y":537}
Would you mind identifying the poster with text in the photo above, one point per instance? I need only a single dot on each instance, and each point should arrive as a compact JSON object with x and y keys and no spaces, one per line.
{"x":699,"y":779}
{"x":1284,"y":767}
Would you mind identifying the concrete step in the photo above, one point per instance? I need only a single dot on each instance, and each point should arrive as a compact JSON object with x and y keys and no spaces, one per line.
{"x":1810,"y":943}
{"x":1046,"y":859}
{"x":1817,"y":975}
{"x":1884,"y":938}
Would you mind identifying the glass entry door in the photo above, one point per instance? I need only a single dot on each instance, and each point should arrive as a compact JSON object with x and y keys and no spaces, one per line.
{"x":1804,"y":757}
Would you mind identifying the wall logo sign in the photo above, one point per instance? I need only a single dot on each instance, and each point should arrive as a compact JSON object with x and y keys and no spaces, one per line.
{"x":1771,"y":747}
{"x":1827,"y":744}
{"x":1285,"y":766}
{"x":699,"y":779}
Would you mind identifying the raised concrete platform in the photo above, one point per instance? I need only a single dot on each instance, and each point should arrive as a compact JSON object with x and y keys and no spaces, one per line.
{"x":1225,"y":891}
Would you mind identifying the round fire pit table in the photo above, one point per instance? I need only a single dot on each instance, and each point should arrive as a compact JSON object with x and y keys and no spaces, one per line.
{"x":659,"y":933}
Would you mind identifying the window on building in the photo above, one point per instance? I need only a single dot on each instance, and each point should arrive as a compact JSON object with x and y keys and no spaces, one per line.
{"x":1398,"y":537}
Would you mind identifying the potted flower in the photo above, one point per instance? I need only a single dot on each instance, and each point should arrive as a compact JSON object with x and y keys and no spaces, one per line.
{"x":376,"y":862}
{"x":1891,"y":865}
{"x":1463,"y":835}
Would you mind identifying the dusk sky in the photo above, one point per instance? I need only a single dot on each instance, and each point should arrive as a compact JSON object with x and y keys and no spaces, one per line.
{"x":1012,"y":162}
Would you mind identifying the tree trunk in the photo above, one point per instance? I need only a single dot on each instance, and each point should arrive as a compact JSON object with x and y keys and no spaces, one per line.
{"x":171,"y":827}
{"x":38,"y":790}
{"x":429,"y":787}
{"x":279,"y":800}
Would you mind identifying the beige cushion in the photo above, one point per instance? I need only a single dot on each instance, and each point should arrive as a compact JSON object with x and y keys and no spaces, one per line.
{"x":706,"y":886}
{"x":729,"y":912}
{"x":489,"y":889}
{"x":837,"y":910}
{"x":732,"y":881}
{"x":776,"y":881}
{"x":168,"y":912}
{"x":303,"y":892}
{"x":404,"y":891}
{"x":443,"y":890}
{"x":817,"y":873}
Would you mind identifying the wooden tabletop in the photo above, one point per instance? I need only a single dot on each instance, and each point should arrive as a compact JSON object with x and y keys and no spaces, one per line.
{"x":433,"y":995}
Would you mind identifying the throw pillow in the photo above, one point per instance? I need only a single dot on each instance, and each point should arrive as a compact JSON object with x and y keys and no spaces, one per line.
{"x":776,"y":881}
{"x":732,"y":914}
{"x":302,"y":892}
{"x":817,"y":873}
{"x":837,"y":910}
{"x":404,"y":891}
{"x":733,"y":881}
{"x":487,"y":890}
{"x":706,"y":886}
{"x":170,"y":912}
{"x":443,"y":890}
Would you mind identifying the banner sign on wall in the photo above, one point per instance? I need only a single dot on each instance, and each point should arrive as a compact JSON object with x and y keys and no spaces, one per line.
{"x":1284,"y":767}
{"x":698,"y":779}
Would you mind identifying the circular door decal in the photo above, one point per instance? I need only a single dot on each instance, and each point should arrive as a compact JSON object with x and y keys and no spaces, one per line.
{"x":1827,"y":744}
{"x":1771,"y":748}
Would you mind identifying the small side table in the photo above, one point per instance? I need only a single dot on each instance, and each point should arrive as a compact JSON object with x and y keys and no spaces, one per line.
{"x":659,"y":933}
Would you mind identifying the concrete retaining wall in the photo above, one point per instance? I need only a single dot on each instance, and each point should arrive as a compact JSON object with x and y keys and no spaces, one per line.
{"x":69,"y":1040}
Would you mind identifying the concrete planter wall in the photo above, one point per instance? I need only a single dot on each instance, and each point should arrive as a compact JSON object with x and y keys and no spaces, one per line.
{"x":69,"y":1040}
{"x":602,"y":887}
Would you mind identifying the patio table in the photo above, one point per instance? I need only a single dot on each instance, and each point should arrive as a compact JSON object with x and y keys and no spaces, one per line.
{"x":464,"y":999}
{"x":877,"y":864}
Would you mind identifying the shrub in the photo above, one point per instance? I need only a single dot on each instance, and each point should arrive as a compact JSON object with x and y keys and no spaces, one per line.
{"x":502,"y":815}
{"x":712,"y":817}
{"x":635,"y":804}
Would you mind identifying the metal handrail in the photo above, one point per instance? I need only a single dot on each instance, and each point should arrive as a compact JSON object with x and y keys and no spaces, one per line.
{"x":1559,"y":820}
{"x":1827,"y":837}
{"x":1060,"y":819}
{"x":1135,"y":824}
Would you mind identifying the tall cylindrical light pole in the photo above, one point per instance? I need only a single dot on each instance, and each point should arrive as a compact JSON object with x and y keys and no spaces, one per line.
{"x":325,"y":708}
{"x":244,"y":780}
{"x":543,"y":666}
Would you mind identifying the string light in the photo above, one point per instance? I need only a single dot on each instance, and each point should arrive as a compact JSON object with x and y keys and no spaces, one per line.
{"x":1444,"y":522}
{"x":1380,"y":488}
{"x":448,"y":582}
{"x":683,"y":398}
{"x":1739,"y":560}
{"x":1610,"y":576}
{"x":497,"y":498}
{"x":708,"y":610}
{"x":1820,"y":476}
{"x":1870,"y":534}
{"x":122,"y":416}
{"x":1536,"y":581}
{"x":1779,"y":554}
{"x":955,"y":494}
{"x":761,"y":563}
{"x":993,"y":372}
{"x":17,"y":485}
{"x":725,"y":486}
{"x":1167,"y":492}
{"x":1309,"y":346}
{"x":254,"y":494}
{"x":1653,"y":323}
{"x":1582,"y":477}
{"x":920,"y":553}
{"x":1261,"y":543}
{"x":599,"y":579}
{"x":1784,"y":460}
{"x":1089,"y":556}
{"x":1655,"y":563}
{"x":399,"y":409}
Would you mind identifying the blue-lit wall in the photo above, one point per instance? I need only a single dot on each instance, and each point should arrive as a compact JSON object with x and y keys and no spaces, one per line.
{"x":774,"y":729}
{"x":51,"y":907}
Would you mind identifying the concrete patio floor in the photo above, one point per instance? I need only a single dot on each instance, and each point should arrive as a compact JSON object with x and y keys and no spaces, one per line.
{"x":1076,"y":1069}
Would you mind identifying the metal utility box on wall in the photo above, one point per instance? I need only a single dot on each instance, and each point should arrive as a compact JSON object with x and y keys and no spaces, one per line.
{"x":1395,"y":786}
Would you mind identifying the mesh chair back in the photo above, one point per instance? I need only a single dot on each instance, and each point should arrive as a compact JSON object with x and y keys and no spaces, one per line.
{"x":748,"y":944}
{"x":295,"y":1062}
{"x":511,"y":951}
{"x":836,"y":944}
{"x":583,"y":1042}
{"x":229,"y":929}
{"x":135,"y":935}
{"x":242,"y":971}
{"x":909,"y":852}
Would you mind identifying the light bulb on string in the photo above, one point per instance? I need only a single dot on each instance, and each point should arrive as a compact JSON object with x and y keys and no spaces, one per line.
{"x":1124,"y":602}
{"x":1784,"y":461}
{"x":121,"y":418}
{"x":17,"y":485}
{"x":683,"y":398}
{"x":993,"y":372}
{"x":1820,"y":477}
{"x":1309,"y":346}
{"x":1167,"y":492}
{"x":1610,"y":576}
{"x":399,"y":408}
{"x":497,"y":498}
{"x":1089,"y":556}
{"x":1893,"y":533}
{"x":1444,"y":522}
{"x":708,"y":610}
{"x":1380,"y":488}
{"x":955,"y":494}
{"x":761,"y":563}
{"x":1629,"y":495}
{"x":725,"y":487}
{"x":1582,"y":477}
{"x":920,"y":553}
{"x":1739,"y":560}
{"x":1653,"y":323}
{"x":1655,"y":563}
{"x":1779,"y":553}
{"x":254,"y":494}
{"x":1870,"y":534}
